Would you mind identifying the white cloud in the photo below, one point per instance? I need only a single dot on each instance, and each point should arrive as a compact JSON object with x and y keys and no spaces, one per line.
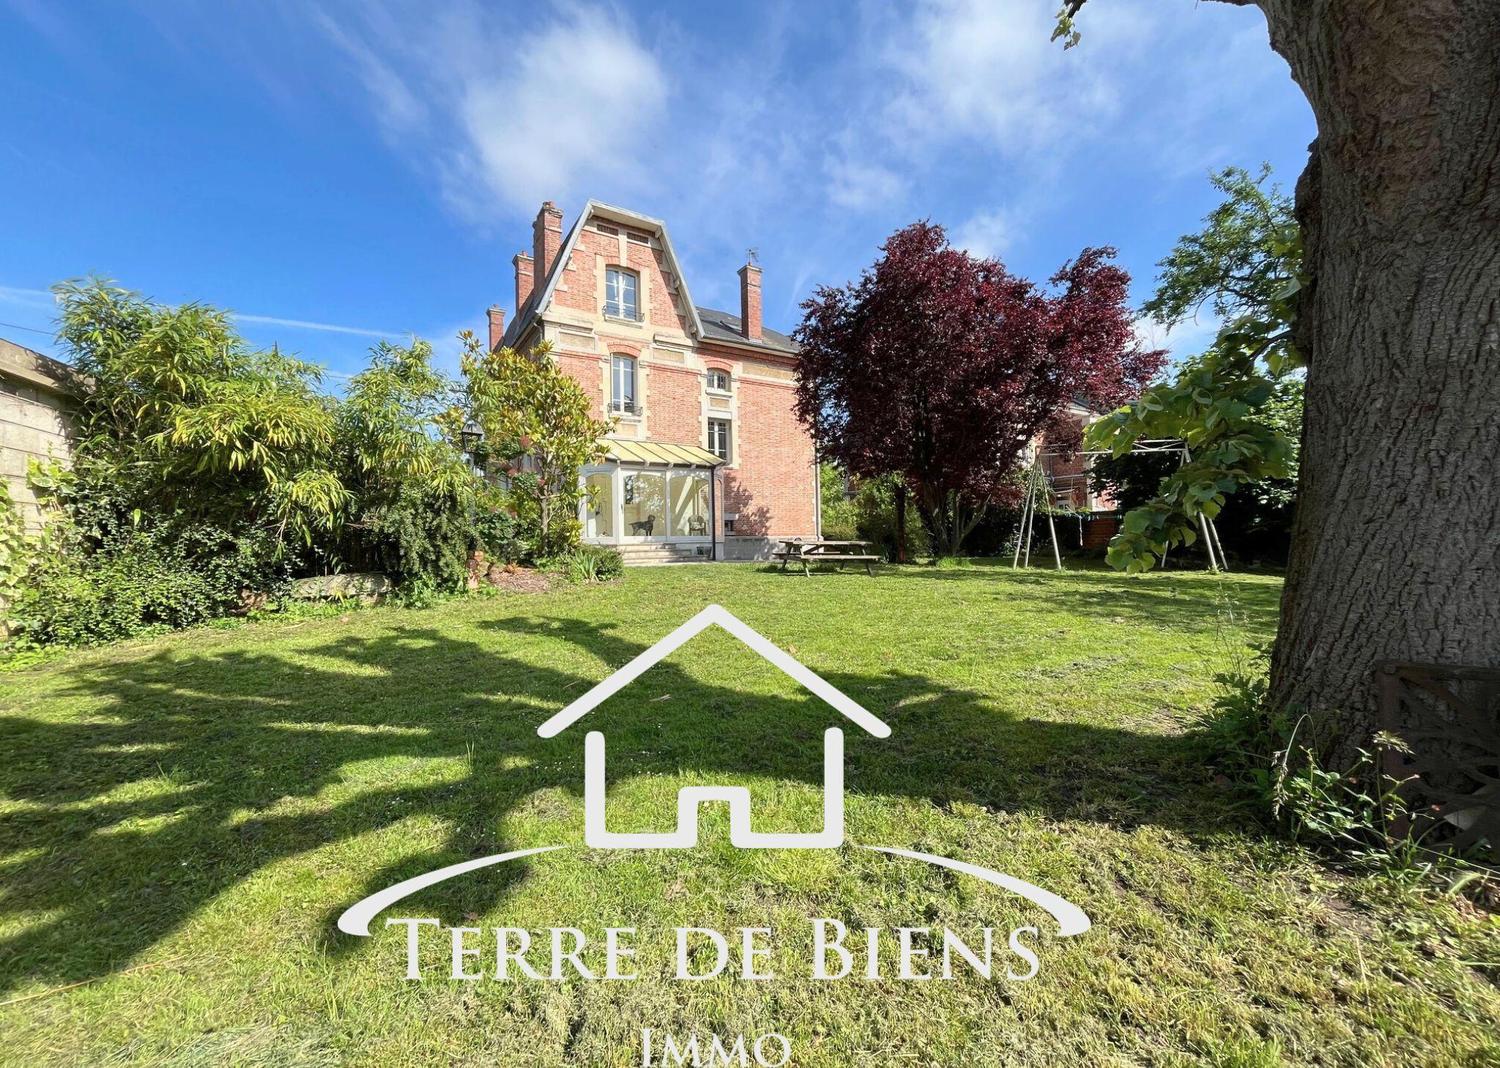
{"x":862,"y":186}
{"x":543,"y":117}
{"x":979,"y":69}
{"x":581,"y":96}
{"x":1188,"y":338}
{"x":327,"y":328}
{"x":35,"y":298}
{"x":397,"y":106}
{"x":988,"y":234}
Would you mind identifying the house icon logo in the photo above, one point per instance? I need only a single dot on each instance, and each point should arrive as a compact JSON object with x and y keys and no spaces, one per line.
{"x":1071,"y":920}
{"x":685,"y":836}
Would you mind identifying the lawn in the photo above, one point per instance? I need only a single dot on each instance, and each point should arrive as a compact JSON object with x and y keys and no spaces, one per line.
{"x":183,"y":820}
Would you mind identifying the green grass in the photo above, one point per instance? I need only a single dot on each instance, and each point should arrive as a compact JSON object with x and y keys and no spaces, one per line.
{"x":182,"y":821}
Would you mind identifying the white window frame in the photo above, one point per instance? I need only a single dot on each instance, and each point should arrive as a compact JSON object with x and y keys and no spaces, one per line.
{"x":728,"y":386}
{"x":614,"y":291}
{"x":728,"y":424}
{"x":618,"y":473}
{"x":616,"y":404}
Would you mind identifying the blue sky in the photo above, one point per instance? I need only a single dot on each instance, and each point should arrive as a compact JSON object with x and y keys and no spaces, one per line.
{"x":373,"y":167}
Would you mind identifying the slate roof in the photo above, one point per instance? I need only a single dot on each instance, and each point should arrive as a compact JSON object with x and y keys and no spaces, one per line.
{"x":721,"y":326}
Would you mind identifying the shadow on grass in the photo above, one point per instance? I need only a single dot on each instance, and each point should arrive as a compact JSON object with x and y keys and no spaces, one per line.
{"x":230,"y":762}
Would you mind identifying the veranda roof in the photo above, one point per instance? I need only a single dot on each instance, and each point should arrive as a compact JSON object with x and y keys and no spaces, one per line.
{"x":657,"y":452}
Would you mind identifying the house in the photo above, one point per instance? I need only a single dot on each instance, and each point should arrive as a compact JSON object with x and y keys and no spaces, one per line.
{"x":1067,"y":465}
{"x":707,"y":459}
{"x":737,"y":798}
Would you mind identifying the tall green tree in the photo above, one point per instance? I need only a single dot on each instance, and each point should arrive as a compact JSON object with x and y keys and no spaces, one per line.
{"x":1230,"y":405}
{"x":537,"y":424}
{"x":414,"y":497}
{"x":1395,"y":552}
{"x":179,"y":417}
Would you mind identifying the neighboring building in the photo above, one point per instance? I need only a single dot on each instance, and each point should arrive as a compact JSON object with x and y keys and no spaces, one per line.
{"x":35,"y":403}
{"x":707,"y":458}
{"x":1068,"y":472}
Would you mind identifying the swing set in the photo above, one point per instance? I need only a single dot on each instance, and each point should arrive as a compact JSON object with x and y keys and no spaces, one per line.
{"x":1044,"y":486}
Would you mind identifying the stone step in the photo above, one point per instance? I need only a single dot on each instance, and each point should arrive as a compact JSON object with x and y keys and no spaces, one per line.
{"x":660,"y":554}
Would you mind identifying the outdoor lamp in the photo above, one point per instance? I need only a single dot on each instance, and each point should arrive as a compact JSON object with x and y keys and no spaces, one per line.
{"x":470,"y":437}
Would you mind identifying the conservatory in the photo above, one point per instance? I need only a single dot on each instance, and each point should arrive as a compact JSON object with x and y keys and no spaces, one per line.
{"x":649,"y":492}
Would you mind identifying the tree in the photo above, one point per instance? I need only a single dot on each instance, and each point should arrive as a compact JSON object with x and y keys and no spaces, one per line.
{"x":179,"y":417}
{"x":1230,"y":405}
{"x":1396,"y":546}
{"x":1256,"y":520}
{"x":537,"y":423}
{"x":414,"y":495}
{"x":940,"y":368}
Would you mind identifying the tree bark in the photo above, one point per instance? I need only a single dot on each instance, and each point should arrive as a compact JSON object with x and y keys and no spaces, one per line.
{"x":1396,"y":544}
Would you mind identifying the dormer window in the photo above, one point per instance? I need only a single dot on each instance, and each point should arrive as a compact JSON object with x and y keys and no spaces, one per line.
{"x":620,"y":288}
{"x":718,"y":381}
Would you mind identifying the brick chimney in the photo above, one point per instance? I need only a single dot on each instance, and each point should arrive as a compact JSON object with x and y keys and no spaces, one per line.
{"x":497,"y":326}
{"x":546,"y":239}
{"x":750,"y":301}
{"x":525,"y":279}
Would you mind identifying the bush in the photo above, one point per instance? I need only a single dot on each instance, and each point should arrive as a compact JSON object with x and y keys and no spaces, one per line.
{"x":588,"y":563}
{"x":498,"y":532}
{"x":872,"y":512}
{"x":146,"y":580}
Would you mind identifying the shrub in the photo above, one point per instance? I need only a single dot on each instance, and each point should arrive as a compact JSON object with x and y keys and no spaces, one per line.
{"x":146,"y":580}
{"x":1348,"y":811}
{"x":588,"y":563}
{"x":871,"y":516}
{"x":497,"y":530}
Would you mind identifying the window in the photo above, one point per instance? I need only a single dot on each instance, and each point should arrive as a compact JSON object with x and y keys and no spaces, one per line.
{"x":689,"y":505}
{"x":599,"y":504}
{"x":644,"y":509}
{"x":619,"y":293}
{"x":718,"y":381}
{"x":718,"y":438}
{"x":622,"y":385}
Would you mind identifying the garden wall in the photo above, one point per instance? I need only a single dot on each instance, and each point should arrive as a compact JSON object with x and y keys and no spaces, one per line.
{"x":34,"y":420}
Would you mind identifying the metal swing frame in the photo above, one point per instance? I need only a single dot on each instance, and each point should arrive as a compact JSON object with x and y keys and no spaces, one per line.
{"x":1039,"y":480}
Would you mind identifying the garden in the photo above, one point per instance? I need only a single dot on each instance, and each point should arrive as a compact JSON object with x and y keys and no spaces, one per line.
{"x":206,"y":476}
{"x":277,"y":647}
{"x":184,"y":818}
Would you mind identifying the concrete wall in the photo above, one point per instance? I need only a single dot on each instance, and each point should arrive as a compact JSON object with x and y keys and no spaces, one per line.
{"x":34,"y":408}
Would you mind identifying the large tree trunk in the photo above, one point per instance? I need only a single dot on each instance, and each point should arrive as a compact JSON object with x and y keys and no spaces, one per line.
{"x":1396,"y":547}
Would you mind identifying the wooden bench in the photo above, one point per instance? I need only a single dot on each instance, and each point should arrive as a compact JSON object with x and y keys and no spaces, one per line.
{"x":828,"y":552}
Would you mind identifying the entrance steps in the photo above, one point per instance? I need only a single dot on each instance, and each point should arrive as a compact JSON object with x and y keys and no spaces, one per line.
{"x":642,"y":555}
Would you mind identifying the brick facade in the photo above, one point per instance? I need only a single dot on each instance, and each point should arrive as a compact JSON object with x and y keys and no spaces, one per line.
{"x":769,"y":486}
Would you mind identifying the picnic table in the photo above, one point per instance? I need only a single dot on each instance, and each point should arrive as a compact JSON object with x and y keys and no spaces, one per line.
{"x":825,"y":551}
